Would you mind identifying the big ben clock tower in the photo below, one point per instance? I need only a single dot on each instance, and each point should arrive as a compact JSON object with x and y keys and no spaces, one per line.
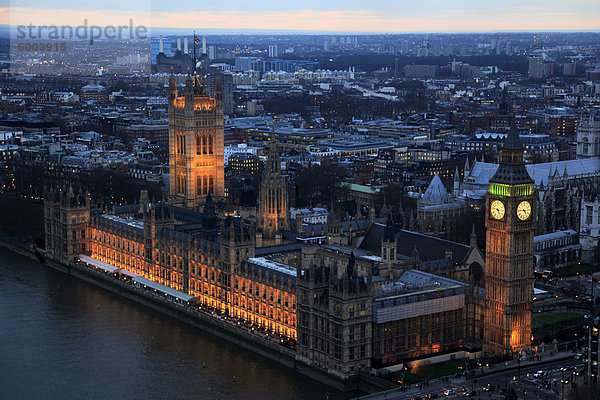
{"x":510,"y":211}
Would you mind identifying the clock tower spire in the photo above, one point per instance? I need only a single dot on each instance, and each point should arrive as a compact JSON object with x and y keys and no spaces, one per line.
{"x":510,"y":211}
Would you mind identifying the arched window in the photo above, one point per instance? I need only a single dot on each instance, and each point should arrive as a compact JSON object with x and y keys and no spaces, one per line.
{"x":585,"y":145}
{"x":198,"y":185}
{"x":198,"y":144}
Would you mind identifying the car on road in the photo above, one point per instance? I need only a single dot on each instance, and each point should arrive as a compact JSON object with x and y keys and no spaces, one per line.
{"x":565,"y":380}
{"x":488,"y":388}
{"x":449,"y":392}
{"x":470,"y":393}
{"x":539,"y":374}
{"x":580,"y":371}
{"x":578,"y":356}
{"x":431,"y":396}
{"x":566,"y":368}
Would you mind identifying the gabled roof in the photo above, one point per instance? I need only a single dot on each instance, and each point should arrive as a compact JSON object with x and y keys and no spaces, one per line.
{"x":483,"y":171}
{"x":430,"y":248}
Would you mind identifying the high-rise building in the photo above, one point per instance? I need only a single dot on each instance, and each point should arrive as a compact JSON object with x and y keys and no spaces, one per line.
{"x":536,"y":67}
{"x":510,"y":211}
{"x":570,"y":68}
{"x":196,"y":154}
{"x":273,"y":51}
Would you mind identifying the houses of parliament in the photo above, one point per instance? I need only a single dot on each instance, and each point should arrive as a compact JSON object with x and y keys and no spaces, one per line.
{"x":393,"y":297}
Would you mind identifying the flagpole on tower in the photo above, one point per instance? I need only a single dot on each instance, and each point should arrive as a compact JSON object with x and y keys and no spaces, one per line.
{"x":195,"y":42}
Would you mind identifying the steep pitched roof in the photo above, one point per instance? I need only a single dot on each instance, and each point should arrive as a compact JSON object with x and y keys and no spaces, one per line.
{"x":436,"y":192}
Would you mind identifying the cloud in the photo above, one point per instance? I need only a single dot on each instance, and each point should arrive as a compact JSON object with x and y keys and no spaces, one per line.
{"x":316,"y":20}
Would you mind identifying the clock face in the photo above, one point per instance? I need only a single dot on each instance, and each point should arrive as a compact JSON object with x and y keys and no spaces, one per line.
{"x":497,"y":209}
{"x":524,"y":210}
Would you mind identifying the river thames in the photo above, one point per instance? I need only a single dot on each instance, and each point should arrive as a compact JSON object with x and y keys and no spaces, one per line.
{"x":62,"y":338}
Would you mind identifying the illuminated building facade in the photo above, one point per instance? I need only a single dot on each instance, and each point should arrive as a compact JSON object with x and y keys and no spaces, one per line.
{"x":243,"y":164}
{"x":195,"y":143}
{"x":346,"y":309}
{"x":417,"y":314}
{"x":510,"y":223}
{"x":216,"y":265}
{"x":264,"y":293}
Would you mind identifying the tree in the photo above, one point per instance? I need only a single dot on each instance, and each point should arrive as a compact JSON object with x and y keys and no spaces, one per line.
{"x":317,"y":184}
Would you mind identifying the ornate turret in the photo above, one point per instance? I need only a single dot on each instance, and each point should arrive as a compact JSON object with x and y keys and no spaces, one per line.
{"x":273,"y":213}
{"x":209,"y":219}
{"x":389,"y":245}
{"x":67,"y":216}
{"x":456,"y":191}
{"x":511,"y":170}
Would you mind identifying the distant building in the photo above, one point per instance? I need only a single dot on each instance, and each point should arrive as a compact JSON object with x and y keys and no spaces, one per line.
{"x":227,"y":82}
{"x":244,"y":164}
{"x":539,"y":148}
{"x":420,"y":71}
{"x":536,"y":67}
{"x":157,"y":133}
{"x":273,"y":64}
{"x":239,"y":148}
{"x":592,"y":75}
{"x":556,"y":249}
{"x":570,"y":69}
{"x":273,"y":51}
{"x":93,"y":92}
{"x":179,"y":63}
{"x":588,"y":136}
{"x":159,"y":45}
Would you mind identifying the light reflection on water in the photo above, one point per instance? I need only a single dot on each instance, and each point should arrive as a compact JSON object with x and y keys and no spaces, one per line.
{"x":63,"y":338}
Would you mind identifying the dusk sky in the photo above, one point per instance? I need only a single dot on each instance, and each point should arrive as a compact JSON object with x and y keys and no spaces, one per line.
{"x":313,"y":15}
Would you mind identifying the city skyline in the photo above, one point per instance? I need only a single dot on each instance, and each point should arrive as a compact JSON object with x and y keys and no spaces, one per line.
{"x":312,"y":16}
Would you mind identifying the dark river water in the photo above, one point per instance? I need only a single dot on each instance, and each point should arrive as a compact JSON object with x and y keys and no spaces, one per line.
{"x":62,"y":338}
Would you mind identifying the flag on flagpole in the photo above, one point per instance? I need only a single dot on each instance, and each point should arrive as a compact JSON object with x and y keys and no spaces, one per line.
{"x":196,"y":40}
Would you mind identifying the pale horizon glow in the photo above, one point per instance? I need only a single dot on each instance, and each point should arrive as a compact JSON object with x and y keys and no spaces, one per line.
{"x":350,"y":16}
